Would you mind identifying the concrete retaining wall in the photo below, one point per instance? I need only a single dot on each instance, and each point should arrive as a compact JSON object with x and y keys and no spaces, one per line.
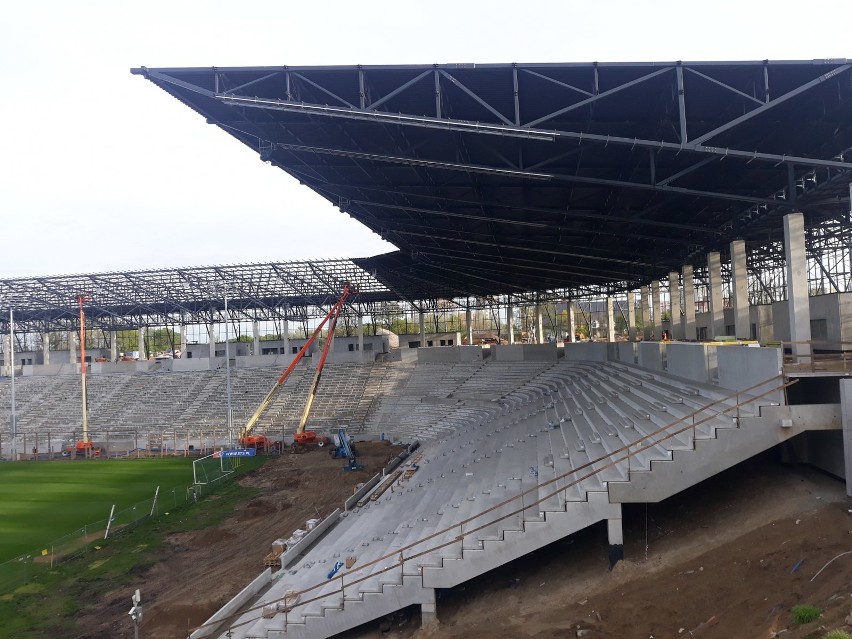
{"x":307,"y":541}
{"x":524,"y":352}
{"x":742,"y":367}
{"x":449,"y":354}
{"x":652,"y":355}
{"x":691,"y":361}
{"x":586,"y":351}
{"x":210,"y":626}
{"x":367,"y":487}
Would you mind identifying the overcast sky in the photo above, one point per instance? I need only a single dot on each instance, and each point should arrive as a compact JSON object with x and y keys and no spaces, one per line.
{"x":102,"y":171}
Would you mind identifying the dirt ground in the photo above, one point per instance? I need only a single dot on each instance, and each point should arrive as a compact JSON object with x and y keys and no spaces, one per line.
{"x":727,"y":559}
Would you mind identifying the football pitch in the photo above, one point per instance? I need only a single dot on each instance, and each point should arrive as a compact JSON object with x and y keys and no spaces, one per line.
{"x":43,"y":501}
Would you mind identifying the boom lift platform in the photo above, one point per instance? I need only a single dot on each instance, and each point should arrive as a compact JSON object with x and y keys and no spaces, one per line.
{"x":302,"y":436}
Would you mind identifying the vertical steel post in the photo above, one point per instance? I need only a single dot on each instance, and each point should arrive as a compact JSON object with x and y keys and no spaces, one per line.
{"x":11,"y":355}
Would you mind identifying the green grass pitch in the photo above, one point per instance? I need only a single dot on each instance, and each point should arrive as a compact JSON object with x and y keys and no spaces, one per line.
{"x":42,"y":501}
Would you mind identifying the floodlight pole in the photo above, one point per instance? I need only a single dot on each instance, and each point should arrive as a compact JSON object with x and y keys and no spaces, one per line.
{"x":11,"y":355}
{"x":228,"y":374}
{"x":80,"y":299}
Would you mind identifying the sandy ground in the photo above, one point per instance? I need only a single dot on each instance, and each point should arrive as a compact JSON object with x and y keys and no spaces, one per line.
{"x":726,"y":559}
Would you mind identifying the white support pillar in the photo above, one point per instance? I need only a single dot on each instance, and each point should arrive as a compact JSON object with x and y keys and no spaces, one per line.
{"x":646,"y":313}
{"x":610,"y":320}
{"x":572,"y":322}
{"x":846,"y":423}
{"x":675,"y":327}
{"x":255,"y":334}
{"x":615,"y":536}
{"x":510,"y":322}
{"x":688,"y":303}
{"x":428,"y":609}
{"x":286,"y":337}
{"x":539,"y":325}
{"x":183,"y":340}
{"x":656,"y":316}
{"x":469,"y":324}
{"x":717,"y":312}
{"x":141,"y":342}
{"x":211,"y":342}
{"x":45,"y":348}
{"x":72,"y":347}
{"x":113,"y":346}
{"x":798,"y":304}
{"x":360,"y":333}
{"x":739,"y":288}
{"x":8,"y":355}
{"x":631,"y":316}
{"x":422,"y":330}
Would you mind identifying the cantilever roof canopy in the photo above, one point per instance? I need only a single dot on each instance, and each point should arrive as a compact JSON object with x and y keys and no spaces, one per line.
{"x":502,"y":178}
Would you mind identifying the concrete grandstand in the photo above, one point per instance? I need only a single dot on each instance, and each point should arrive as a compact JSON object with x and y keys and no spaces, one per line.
{"x":665,"y":261}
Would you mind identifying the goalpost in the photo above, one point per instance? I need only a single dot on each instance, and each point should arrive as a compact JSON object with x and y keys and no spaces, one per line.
{"x":212,"y":468}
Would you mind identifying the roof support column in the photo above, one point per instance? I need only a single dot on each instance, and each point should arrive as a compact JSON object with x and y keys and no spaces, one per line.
{"x":469,"y":325}
{"x":646,"y":313}
{"x":428,"y":609}
{"x":359,"y":328}
{"x":739,"y":288}
{"x":688,"y":303}
{"x":656,"y":320}
{"x":510,"y":321}
{"x":286,"y":337}
{"x":255,"y":334}
{"x":141,"y":342}
{"x":717,"y":312}
{"x":572,"y":322}
{"x":798,"y":304}
{"x":422,"y":329}
{"x":72,"y":347}
{"x":539,"y":325}
{"x":615,"y":536}
{"x":183,"y":340}
{"x":675,"y":326}
{"x":631,"y":316}
{"x":8,"y":355}
{"x":211,"y":339}
{"x":45,"y":348}
{"x":610,"y":320}
{"x":113,"y":346}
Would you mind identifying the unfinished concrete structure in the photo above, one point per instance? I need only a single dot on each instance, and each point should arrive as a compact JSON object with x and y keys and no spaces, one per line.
{"x":504,"y":188}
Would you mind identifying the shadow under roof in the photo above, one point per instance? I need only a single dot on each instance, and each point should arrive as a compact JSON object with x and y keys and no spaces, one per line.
{"x":506,"y":178}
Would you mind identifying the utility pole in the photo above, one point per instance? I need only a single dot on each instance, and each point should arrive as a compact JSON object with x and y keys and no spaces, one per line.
{"x":11,"y":355}
{"x":80,"y":299}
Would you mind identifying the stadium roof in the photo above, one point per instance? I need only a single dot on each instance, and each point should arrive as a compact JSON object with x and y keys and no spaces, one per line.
{"x":127,"y":300}
{"x":504,"y":178}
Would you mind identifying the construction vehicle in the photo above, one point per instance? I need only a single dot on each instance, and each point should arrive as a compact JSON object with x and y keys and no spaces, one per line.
{"x":261,"y":444}
{"x":304,"y":437}
{"x":343,"y":449}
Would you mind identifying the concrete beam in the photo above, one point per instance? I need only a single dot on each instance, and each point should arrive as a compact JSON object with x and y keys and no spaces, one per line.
{"x":140,"y":342}
{"x":468,"y":319}
{"x":183,"y":340}
{"x":360,"y":330}
{"x":539,"y":325}
{"x":422,"y":330}
{"x":615,"y":536}
{"x":646,"y":313}
{"x":510,"y":322}
{"x":739,"y":288}
{"x":286,"y":337}
{"x":798,"y":304}
{"x":113,"y":347}
{"x":72,"y":347}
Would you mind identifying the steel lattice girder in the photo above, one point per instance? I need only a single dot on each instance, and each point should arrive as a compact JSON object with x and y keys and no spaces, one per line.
{"x":523,"y":177}
{"x":127,"y":300}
